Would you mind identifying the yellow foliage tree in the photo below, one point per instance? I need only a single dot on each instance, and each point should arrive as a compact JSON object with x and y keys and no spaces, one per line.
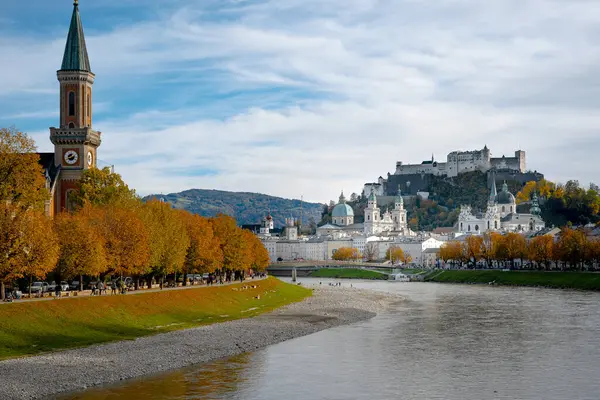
{"x":102,"y":187}
{"x":539,"y":250}
{"x":231,"y":242}
{"x":125,"y":236}
{"x":22,"y":179}
{"x":204,"y":253}
{"x":395,"y":255}
{"x":81,"y":248}
{"x":474,"y":248}
{"x":169,"y":240}
{"x":346,"y":254}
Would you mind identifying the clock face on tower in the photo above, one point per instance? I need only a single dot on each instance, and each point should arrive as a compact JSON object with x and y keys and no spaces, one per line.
{"x":90,"y":158}
{"x":71,"y":157}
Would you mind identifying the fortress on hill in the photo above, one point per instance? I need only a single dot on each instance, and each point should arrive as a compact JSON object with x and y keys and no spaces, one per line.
{"x":413,"y":178}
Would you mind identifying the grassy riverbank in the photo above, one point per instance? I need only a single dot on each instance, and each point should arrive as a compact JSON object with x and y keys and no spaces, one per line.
{"x":348,"y":273}
{"x":34,"y":327}
{"x":561,"y":280}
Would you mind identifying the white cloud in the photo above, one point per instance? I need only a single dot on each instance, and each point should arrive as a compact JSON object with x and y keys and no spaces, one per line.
{"x":386,"y":81}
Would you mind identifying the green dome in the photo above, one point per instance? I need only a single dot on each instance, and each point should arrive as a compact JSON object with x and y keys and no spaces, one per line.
{"x":342,"y":210}
{"x":505,"y":197}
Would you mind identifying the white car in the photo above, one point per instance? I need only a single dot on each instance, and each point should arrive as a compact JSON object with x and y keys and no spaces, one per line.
{"x":38,"y":287}
{"x":64,"y":286}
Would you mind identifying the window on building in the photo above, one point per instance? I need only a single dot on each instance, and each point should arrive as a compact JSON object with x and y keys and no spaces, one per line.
{"x":476,"y":227}
{"x":495,"y":224}
{"x":369,"y":217}
{"x":503,"y":209}
{"x":461,"y":226}
{"x":71,"y":104}
{"x":469,"y":228}
{"x":89,"y":106}
{"x":488,"y":224}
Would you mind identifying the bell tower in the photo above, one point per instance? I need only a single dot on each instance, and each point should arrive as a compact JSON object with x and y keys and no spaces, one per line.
{"x":75,"y":142}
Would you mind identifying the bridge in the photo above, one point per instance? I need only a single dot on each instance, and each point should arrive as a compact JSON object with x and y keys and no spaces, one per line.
{"x":305,"y":268}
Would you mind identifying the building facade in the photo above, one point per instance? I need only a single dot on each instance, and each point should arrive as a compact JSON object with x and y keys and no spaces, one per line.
{"x":500,"y":215}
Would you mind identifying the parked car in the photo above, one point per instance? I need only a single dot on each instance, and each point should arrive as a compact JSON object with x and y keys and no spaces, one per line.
{"x":64,"y":286}
{"x":38,"y":287}
{"x":74,"y":285}
{"x":51,"y":287}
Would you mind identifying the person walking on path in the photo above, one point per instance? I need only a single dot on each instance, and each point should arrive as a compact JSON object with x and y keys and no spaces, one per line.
{"x":99,"y":287}
{"x":113,"y":287}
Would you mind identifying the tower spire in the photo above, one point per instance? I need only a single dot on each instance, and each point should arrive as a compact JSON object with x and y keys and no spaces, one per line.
{"x":493,"y":191}
{"x":76,"y":56}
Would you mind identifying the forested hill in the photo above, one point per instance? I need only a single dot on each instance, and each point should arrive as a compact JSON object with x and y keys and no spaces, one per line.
{"x":246,"y":208}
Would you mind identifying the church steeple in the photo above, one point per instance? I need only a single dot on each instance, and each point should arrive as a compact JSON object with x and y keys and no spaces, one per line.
{"x":493,"y":191}
{"x":76,"y":56}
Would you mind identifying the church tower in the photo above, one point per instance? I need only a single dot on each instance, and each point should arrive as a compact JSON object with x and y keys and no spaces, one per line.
{"x":75,"y":142}
{"x":399,"y":213}
{"x":372,"y":215}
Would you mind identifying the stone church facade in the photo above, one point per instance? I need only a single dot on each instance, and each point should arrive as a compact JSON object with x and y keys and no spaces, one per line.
{"x":75,"y":141}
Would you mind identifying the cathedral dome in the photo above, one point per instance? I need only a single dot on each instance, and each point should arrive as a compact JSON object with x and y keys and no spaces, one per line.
{"x":342,"y":210}
{"x":505,"y":197}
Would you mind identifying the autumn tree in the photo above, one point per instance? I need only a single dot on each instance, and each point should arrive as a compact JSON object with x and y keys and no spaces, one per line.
{"x":40,"y":247}
{"x":27,"y":244}
{"x":230,"y":241}
{"x":101,"y":187}
{"x":204,"y":253}
{"x":81,"y":247}
{"x":539,"y":250}
{"x":570,"y":247}
{"x":474,"y":248}
{"x":168,"y":238}
{"x":22,"y":179}
{"x":514,"y":247}
{"x":452,"y":251}
{"x":395,"y":255}
{"x":125,"y":237}
{"x":345,"y":254}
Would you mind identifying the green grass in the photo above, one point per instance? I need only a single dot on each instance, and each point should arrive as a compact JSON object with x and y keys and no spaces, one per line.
{"x":561,"y":280}
{"x":352,"y":273}
{"x":28,"y":328}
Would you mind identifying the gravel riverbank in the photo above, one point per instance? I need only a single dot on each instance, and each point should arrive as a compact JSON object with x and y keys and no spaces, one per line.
{"x":78,"y":369}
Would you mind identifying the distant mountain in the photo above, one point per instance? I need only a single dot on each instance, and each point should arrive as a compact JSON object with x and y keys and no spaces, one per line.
{"x":246,"y":208}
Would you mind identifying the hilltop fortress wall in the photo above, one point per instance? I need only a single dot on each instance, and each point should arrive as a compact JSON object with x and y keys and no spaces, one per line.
{"x":457,"y":162}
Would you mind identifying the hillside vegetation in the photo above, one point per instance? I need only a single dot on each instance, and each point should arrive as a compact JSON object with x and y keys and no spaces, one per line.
{"x":246,"y":208}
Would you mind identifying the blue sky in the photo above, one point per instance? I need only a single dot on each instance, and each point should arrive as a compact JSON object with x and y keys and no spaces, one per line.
{"x":291,"y":97}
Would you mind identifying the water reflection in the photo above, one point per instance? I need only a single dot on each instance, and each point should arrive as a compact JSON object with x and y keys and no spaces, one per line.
{"x":444,"y":342}
{"x":210,"y":381}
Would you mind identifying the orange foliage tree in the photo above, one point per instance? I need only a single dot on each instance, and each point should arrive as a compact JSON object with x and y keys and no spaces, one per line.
{"x":346,"y":254}
{"x":204,"y":253}
{"x":539,"y":250}
{"x":81,"y":248}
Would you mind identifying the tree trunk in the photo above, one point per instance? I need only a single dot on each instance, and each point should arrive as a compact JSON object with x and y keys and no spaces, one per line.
{"x":137,"y":283}
{"x":30,"y":282}
{"x":149,"y":282}
{"x":185,"y":279}
{"x":2,"y":294}
{"x":81,"y":283}
{"x":162,"y":279}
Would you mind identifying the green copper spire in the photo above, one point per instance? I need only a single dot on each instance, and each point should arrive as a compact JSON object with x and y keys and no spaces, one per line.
{"x":76,"y":57}
{"x":535,"y":206}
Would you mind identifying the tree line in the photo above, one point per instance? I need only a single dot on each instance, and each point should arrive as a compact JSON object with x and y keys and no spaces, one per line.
{"x":108,"y":231}
{"x":371,"y":253}
{"x":572,"y":249}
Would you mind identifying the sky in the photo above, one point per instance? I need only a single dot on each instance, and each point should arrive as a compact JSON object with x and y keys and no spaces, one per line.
{"x":311,"y":97}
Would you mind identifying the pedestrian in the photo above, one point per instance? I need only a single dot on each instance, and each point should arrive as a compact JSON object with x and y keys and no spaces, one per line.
{"x":99,"y":287}
{"x":113,"y":287}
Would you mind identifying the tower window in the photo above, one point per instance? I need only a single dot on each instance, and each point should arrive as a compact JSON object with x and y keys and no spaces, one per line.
{"x":71,"y":104}
{"x":89,"y":106}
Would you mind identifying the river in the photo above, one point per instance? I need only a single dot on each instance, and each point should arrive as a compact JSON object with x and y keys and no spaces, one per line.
{"x":451,"y":342}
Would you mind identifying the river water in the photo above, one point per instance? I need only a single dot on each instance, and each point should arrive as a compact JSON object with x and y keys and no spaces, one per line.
{"x":451,"y":342}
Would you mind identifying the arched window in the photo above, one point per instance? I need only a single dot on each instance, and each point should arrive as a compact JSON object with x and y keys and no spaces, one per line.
{"x":89,"y":106}
{"x":71,"y":104}
{"x":503,"y":209}
{"x":495,"y":224}
{"x":396,"y":219}
{"x":511,"y":208}
{"x":476,"y":227}
{"x":469,"y":228}
{"x":488,"y":224}
{"x":369,"y":217}
{"x":461,"y":226}
{"x":71,"y":125}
